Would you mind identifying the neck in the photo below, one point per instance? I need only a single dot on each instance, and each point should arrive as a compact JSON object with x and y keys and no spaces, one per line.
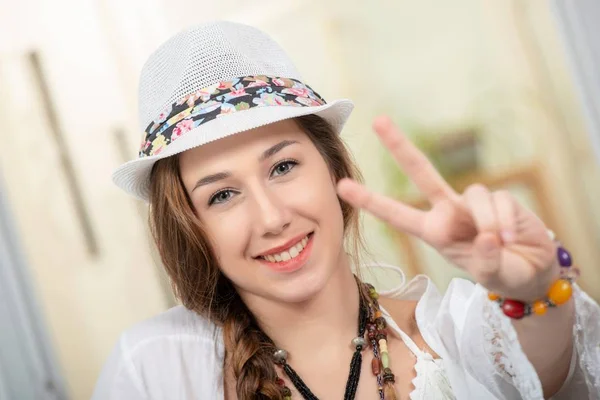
{"x":322,"y":326}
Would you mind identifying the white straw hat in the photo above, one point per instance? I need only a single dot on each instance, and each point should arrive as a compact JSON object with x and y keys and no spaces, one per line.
{"x":211,"y":81}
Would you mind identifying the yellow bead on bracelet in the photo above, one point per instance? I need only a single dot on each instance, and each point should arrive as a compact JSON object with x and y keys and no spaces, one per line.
{"x":559,"y":293}
{"x":539,"y":307}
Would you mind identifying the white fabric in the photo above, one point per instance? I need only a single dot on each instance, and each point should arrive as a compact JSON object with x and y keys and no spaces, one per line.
{"x":199,"y":57}
{"x":431,"y":381}
{"x":179,"y":355}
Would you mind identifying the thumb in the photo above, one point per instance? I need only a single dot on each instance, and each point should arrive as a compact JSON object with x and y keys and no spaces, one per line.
{"x":487,"y":257}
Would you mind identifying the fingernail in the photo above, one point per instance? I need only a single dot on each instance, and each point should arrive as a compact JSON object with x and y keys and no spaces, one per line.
{"x":508,"y":236}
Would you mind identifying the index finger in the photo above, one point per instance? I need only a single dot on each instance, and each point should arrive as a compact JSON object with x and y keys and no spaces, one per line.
{"x":395,"y":213}
{"x":413,"y":162}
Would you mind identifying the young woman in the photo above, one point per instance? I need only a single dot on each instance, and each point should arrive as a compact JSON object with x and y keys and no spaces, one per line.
{"x":254,"y":198}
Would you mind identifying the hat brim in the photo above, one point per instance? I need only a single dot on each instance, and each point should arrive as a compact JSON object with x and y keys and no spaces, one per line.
{"x":134,"y":176}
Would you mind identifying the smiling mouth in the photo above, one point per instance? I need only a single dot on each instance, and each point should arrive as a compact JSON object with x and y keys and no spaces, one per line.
{"x":288,"y":254}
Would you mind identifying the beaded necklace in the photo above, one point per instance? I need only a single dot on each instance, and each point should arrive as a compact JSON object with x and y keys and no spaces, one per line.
{"x":371,"y":321}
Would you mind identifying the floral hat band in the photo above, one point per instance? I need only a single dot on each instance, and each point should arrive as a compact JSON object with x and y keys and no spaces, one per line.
{"x":224,"y":98}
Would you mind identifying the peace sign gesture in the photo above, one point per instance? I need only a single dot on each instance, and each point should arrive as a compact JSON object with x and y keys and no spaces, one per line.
{"x":504,"y":246}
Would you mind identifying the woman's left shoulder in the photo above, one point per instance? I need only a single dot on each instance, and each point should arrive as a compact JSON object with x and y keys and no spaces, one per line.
{"x":402,"y":312}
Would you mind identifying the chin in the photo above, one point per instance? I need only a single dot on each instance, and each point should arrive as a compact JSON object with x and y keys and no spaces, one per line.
{"x":301,"y":288}
{"x":302,"y":284}
{"x":311,"y":279}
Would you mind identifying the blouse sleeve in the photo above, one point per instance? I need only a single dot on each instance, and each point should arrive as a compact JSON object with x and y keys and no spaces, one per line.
{"x":584,"y":379}
{"x":118,"y":379}
{"x":480,"y":346}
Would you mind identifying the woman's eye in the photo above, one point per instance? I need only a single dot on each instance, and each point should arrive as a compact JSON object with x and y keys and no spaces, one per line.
{"x":221,"y":197}
{"x":283,"y":167}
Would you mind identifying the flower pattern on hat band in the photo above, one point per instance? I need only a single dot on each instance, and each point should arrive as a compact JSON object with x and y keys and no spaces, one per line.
{"x":224,"y":98}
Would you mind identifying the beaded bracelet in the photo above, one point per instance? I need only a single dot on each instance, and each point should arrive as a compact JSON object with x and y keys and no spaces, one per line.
{"x":559,"y":293}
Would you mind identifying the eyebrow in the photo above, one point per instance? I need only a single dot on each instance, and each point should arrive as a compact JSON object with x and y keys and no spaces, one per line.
{"x":274,"y":149}
{"x":224,"y":175}
{"x":207,"y":180}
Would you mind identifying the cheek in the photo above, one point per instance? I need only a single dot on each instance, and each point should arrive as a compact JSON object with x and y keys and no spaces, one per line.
{"x":317,"y":197}
{"x":230,"y":238}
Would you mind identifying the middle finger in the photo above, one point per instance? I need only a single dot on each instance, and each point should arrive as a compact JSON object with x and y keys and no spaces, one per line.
{"x":481,"y":206}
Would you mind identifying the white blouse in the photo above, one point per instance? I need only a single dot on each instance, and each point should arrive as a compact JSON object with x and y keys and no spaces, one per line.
{"x":179,"y":355}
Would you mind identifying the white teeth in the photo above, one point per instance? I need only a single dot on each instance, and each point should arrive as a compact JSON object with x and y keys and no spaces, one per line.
{"x":292,"y":252}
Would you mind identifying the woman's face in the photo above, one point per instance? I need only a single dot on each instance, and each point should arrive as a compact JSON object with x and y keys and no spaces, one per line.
{"x":268,"y":203}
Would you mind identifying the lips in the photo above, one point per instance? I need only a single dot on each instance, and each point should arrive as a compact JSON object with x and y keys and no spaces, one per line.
{"x":289,"y":253}
{"x":299,"y":255}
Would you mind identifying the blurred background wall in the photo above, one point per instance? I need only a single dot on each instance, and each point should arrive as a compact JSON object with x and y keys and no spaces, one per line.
{"x":487,"y":89}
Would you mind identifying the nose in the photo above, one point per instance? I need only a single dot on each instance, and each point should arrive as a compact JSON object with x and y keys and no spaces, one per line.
{"x":272,"y":216}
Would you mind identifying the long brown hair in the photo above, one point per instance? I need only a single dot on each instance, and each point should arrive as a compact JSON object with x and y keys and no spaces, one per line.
{"x":194,"y":272}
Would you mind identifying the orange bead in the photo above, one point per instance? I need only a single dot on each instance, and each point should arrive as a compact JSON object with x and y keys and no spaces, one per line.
{"x":539,"y":307}
{"x":378,"y":314}
{"x":560,"y":292}
{"x":376,"y":366}
{"x":493,"y":296}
